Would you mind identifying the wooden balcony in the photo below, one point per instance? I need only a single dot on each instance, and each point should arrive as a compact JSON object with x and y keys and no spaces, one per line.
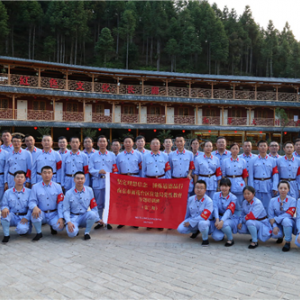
{"x":190,"y":120}
{"x":242,"y":121}
{"x":262,"y":122}
{"x":7,"y":114}
{"x":133,"y":118}
{"x":156,"y":119}
{"x":211,"y":120}
{"x":40,"y":115}
{"x":101,"y":118}
{"x":72,"y":116}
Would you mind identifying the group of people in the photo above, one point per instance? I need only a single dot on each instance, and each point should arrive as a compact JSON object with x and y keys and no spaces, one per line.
{"x":228,"y":192}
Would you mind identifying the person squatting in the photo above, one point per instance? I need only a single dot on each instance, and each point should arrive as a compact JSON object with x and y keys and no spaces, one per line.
{"x":228,"y":193}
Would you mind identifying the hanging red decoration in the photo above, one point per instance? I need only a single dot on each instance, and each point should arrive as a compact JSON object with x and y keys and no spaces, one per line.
{"x":154,"y":130}
{"x":99,"y":129}
{"x":67,"y":128}
{"x":129,"y":130}
{"x":35,"y":128}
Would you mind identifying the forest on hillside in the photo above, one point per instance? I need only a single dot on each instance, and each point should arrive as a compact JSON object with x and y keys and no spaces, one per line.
{"x":181,"y":36}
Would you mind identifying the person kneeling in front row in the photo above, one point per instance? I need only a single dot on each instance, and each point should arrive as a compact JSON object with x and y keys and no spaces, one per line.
{"x":76,"y":206}
{"x":15,"y":211}
{"x":198,"y":214}
{"x":254,"y":219}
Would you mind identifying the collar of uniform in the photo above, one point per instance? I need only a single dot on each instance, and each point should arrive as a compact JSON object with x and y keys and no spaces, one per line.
{"x":252,"y":202}
{"x":83,"y":190}
{"x":44,"y":184}
{"x":103,"y":153}
{"x":196,"y":153}
{"x":211,"y":157}
{"x":66,"y":151}
{"x":34,"y":149}
{"x":15,"y":191}
{"x":158,"y":153}
{"x":266,"y":157}
{"x":250,"y":155}
{"x":77,"y":153}
{"x":225,"y":152}
{"x":237,"y":159}
{"x":17,"y":152}
{"x":48,"y":151}
{"x":10,"y":146}
{"x":295,"y":153}
{"x":143,"y":151}
{"x":200,"y":199}
{"x":292,"y":159}
{"x":131,"y":152}
{"x":221,"y":196}
{"x":286,"y":199}
{"x":183,"y":152}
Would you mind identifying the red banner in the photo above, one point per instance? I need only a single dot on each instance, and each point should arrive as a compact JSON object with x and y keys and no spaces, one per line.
{"x":146,"y":202}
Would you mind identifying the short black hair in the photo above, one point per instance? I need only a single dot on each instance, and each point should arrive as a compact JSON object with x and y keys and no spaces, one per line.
{"x":262,"y":142}
{"x":249,"y":188}
{"x":17,"y":136}
{"x":62,"y":138}
{"x":247,"y":141}
{"x":115,"y":141}
{"x":74,"y":137}
{"x":78,"y":173}
{"x":206,"y":143}
{"x":221,"y":138}
{"x":179,"y":136}
{"x":140,"y":137}
{"x":274,"y":142}
{"x":225,"y":181}
{"x":234,"y":144}
{"x":154,"y":140}
{"x":128,"y":137}
{"x":6,"y":131}
{"x":195,"y":139}
{"x":19,"y":172}
{"x":201,"y":181}
{"x":168,"y":138}
{"x":101,"y":137}
{"x":283,"y":181}
{"x":29,"y":135}
{"x":289,"y":142}
{"x":46,"y":168}
{"x":88,"y":137}
{"x":297,"y":140}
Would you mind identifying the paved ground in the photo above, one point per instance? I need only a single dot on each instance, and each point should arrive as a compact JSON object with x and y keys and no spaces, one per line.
{"x":141,"y":264}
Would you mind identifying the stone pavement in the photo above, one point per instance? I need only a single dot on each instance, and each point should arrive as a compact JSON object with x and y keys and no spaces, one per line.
{"x":139,"y":264}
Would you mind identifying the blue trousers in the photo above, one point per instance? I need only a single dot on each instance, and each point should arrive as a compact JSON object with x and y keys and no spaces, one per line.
{"x":46,"y":218}
{"x":100,"y":199}
{"x":14,"y":221}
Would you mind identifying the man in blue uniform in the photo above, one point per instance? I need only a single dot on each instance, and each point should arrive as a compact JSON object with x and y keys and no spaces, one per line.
{"x":198,"y":214}
{"x":30,"y":141}
{"x":274,"y":148}
{"x":140,"y":142}
{"x":129,"y":162}
{"x":48,"y":157}
{"x":18,"y":160}
{"x":263,"y":174}
{"x":76,"y":206}
{"x":101,"y":162}
{"x":297,"y":148}
{"x":62,"y":145}
{"x":88,"y":147}
{"x":46,"y":204}
{"x":221,"y":151}
{"x":7,"y":144}
{"x":115,"y":147}
{"x":247,"y":155}
{"x":168,"y":143}
{"x":73,"y":162}
{"x":15,"y":211}
{"x":3,"y":158}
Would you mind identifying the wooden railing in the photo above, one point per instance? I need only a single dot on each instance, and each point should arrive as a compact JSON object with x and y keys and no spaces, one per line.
{"x":184,"y":119}
{"x":101,"y":118}
{"x":157,"y":119}
{"x":237,"y":121}
{"x":134,"y":118}
{"x":262,"y":122}
{"x":73,"y":116}
{"x":211,"y":120}
{"x":40,"y":115}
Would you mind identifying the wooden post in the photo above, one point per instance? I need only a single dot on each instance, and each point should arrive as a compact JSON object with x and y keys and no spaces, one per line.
{"x":113,"y":112}
{"x":67,"y":80}
{"x":190,"y":89}
{"x":39,"y":78}
{"x":245,"y":134}
{"x":197,"y":119}
{"x":118,"y":88}
{"x":166,"y":113}
{"x":13,"y":129}
{"x":233,"y":92}
{"x":222,"y":115}
{"x":83,"y":110}
{"x":297,"y":89}
{"x":255,"y":92}
{"x":53,"y":101}
{"x":8,"y":72}
{"x":249,"y":115}
{"x":167,"y":88}
{"x":274,"y":115}
{"x":276,"y":93}
{"x":110,"y":135}
{"x":140,"y":109}
{"x":137,"y":132}
{"x":81,"y":139}
{"x":13,"y":105}
{"x":143,"y":86}
{"x":52,"y":133}
{"x":93,"y":83}
{"x":212,"y":91}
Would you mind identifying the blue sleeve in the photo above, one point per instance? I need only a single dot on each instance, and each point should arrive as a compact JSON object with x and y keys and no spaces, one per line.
{"x":33,"y":201}
{"x":140,"y":162}
{"x":94,"y":172}
{"x":29,"y":211}
{"x":298,"y":216}
{"x":196,"y":163}
{"x":223,"y":168}
{"x":118,"y":163}
{"x":34,"y":170}
{"x":144,"y":168}
{"x":251,"y":170}
{"x":63,"y":173}
{"x":275,"y":177}
{"x":168,"y":173}
{"x":209,"y":206}
{"x":60,"y":204}
{"x":271,"y":213}
{"x":218,"y":166}
{"x":292,"y":209}
{"x":58,"y":171}
{"x":66,"y":207}
{"x":86,"y":164}
{"x":228,"y":213}
{"x":6,"y":169}
{"x":29,"y":165}
{"x":5,"y":200}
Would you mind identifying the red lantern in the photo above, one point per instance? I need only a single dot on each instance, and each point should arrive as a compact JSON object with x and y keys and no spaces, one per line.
{"x":209,"y":131}
{"x":183,"y":130}
{"x":154,"y":130}
{"x":260,"y":132}
{"x":67,"y":128}
{"x":129,"y":130}
{"x":99,"y":129}
{"x":235,"y":131}
{"x":35,"y":128}
{"x":285,"y":132}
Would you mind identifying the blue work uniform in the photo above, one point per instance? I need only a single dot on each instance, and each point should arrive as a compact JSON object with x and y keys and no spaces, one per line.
{"x":275,"y":157}
{"x":235,"y":170}
{"x":49,"y":199}
{"x":296,"y":154}
{"x":297,"y":224}
{"x":254,"y":221}
{"x":156,"y":165}
{"x":72,"y":163}
{"x":209,"y":170}
{"x":76,"y":209}
{"x":181,"y":163}
{"x":101,"y":161}
{"x":89,"y":157}
{"x":289,"y":170}
{"x":63,"y":153}
{"x":18,"y":205}
{"x":3,"y":158}
{"x":263,"y":176}
{"x":20,"y":161}
{"x":198,"y":214}
{"x":35,"y":152}
{"x":9,"y":149}
{"x":167,"y":153}
{"x":130,"y":163}
{"x":51,"y":159}
{"x":282,"y":211}
{"x":143,"y":152}
{"x":247,"y":158}
{"x":226,"y":154}
{"x":224,"y":208}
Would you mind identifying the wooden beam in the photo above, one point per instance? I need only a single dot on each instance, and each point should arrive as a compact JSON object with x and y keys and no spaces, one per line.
{"x":93,"y":83}
{"x":140,"y":109}
{"x":67,"y":80}
{"x":297,"y":89}
{"x":81,"y":138}
{"x":113,"y":112}
{"x":83,"y":103}
{"x":39,"y":78}
{"x":110,"y":135}
{"x":276,"y":93}
{"x":166,"y":113}
{"x":52,"y":133}
{"x":8,"y":72}
{"x":143,"y":86}
{"x":13,"y":105}
{"x":222,"y":115}
{"x":212,"y":91}
{"x":233,"y":91}
{"x":53,"y":103}
{"x":190,"y":89}
{"x":197,"y":118}
{"x":118,"y":87}
{"x":167,"y":88}
{"x":255,"y":92}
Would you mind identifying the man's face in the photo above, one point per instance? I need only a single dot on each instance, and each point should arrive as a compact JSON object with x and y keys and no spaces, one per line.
{"x":75,"y":144}
{"x":17,"y":143}
{"x":140,"y":144}
{"x":274,"y":147}
{"x":47,"y":142}
{"x":221,"y":144}
{"x":288,"y":149}
{"x":263,"y":148}
{"x":168,"y":144}
{"x":179,"y":142}
{"x":47,"y":174}
{"x":155,"y":145}
{"x":62,"y":144}
{"x":29,"y":141}
{"x":195,"y":146}
{"x":88,"y":144}
{"x":6,"y":138}
{"x":200,"y":189}
{"x":297,"y":147}
{"x":102,"y":143}
{"x":79,"y":180}
{"x":20,"y":179}
{"x":115,"y":147}
{"x":247,"y":147}
{"x":128,"y":144}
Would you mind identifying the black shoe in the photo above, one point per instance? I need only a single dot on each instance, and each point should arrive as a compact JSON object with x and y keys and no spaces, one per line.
{"x":5,"y":239}
{"x":160,"y":229}
{"x":279,"y":241}
{"x":205,"y":243}
{"x":87,"y":237}
{"x":227,"y":244}
{"x":37,"y":237}
{"x":120,"y":226}
{"x":98,"y":226}
{"x":23,"y":234}
{"x":286,"y":247}
{"x":135,"y":227}
{"x":149,"y":228}
{"x":253,"y":247}
{"x":108,"y":226}
{"x":194,"y":235}
{"x":53,"y":232}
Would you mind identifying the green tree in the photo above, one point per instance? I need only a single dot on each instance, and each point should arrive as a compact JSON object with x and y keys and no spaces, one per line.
{"x":172,"y":49}
{"x":4,"y":30}
{"x":104,"y":45}
{"x":283,"y":119}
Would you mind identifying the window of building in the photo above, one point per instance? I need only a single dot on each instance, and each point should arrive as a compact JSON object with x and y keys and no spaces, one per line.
{"x":236,"y":113}
{"x":212,"y":112}
{"x":264,"y":113}
{"x":72,"y":107}
{"x":3,"y":103}
{"x":183,"y":111}
{"x":128,"y":110}
{"x":39,"y":105}
{"x":154,"y":110}
{"x":99,"y":108}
